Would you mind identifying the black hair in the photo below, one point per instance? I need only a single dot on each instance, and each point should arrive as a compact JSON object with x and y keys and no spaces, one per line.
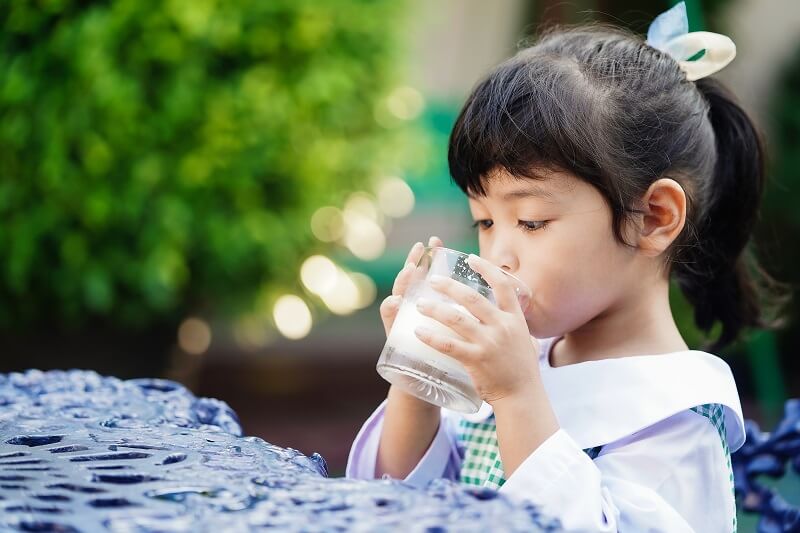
{"x":599,"y":102}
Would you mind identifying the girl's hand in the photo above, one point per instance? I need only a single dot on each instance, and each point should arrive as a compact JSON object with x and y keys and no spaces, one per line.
{"x":497,"y":349}
{"x":391,"y":304}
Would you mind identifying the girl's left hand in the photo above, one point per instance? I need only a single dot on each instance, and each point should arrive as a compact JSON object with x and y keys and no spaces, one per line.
{"x":498,"y":351}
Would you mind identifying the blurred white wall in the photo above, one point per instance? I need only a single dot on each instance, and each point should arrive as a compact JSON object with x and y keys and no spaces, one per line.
{"x":455,"y":42}
{"x":767,"y":34}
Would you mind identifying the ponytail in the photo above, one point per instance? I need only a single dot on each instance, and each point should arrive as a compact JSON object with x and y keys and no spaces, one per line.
{"x":719,"y":275}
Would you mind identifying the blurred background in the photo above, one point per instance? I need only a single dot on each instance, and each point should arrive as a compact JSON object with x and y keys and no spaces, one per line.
{"x":221,"y":193}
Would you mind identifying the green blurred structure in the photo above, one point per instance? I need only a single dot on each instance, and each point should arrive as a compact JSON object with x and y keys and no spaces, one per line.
{"x":159,"y":158}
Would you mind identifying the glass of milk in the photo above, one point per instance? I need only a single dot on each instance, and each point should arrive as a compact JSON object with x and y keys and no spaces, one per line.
{"x":415,"y":367}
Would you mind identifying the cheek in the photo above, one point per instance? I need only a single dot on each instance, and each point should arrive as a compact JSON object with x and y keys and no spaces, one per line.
{"x":565,"y":298}
{"x":573,"y":280}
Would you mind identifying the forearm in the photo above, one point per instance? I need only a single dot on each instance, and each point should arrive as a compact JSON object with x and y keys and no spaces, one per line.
{"x":409,"y":426}
{"x":523,"y":422}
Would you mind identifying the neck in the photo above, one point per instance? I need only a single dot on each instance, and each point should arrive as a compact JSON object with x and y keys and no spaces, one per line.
{"x":640,"y":323}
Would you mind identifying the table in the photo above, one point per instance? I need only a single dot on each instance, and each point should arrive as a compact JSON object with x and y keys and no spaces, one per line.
{"x":84,"y":452}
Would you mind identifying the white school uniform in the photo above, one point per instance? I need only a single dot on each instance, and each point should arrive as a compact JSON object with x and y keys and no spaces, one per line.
{"x":644,"y":445}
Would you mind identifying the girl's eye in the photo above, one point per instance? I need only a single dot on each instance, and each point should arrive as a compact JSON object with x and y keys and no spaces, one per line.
{"x":527,"y":225}
{"x":533,"y":225}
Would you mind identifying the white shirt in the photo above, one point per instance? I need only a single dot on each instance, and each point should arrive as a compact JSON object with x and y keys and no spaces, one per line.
{"x":663,"y":467}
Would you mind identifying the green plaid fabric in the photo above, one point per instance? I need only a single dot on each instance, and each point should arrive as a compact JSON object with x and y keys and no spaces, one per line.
{"x":716,"y":415}
{"x":482,"y":465}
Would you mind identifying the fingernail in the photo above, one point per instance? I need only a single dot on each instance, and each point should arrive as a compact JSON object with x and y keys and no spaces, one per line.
{"x":409,"y":266}
{"x":421,"y":330}
{"x":423,"y":303}
{"x":395,"y":300}
{"x":437,"y":279}
{"x":432,"y":239}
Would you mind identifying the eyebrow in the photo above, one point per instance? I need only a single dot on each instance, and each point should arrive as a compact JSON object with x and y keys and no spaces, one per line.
{"x":528,"y":192}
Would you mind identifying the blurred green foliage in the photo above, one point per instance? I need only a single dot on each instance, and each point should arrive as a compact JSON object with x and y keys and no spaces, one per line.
{"x":160,"y":157}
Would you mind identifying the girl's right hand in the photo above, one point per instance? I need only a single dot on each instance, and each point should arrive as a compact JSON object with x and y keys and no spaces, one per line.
{"x":391,"y":304}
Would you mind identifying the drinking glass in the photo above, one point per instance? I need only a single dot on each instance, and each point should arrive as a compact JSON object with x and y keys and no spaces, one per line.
{"x":417,"y":368}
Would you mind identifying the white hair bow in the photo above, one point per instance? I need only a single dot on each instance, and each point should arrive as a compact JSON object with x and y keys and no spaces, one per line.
{"x":699,"y":53}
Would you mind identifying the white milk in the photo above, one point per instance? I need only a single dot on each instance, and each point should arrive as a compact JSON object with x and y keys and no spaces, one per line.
{"x":402,"y":338}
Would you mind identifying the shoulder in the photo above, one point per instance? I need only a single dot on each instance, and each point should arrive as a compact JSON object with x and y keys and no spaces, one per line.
{"x":682,"y":446}
{"x":682,"y":459}
{"x":673,"y":436}
{"x":602,"y":401}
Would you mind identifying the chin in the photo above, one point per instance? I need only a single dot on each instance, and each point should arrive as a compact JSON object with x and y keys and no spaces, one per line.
{"x":544,"y":330}
{"x":537,"y":331}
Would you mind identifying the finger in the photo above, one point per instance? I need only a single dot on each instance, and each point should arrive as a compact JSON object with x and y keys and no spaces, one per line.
{"x":462,"y":323}
{"x":504,"y":293}
{"x":455,"y":348}
{"x":415,"y":253}
{"x":388,"y":311}
{"x":404,"y":276}
{"x":477,"y":304}
{"x":402,"y":280}
{"x":435,"y":241}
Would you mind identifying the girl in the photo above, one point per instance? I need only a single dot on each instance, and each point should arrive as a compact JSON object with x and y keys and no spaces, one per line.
{"x":597,"y":167}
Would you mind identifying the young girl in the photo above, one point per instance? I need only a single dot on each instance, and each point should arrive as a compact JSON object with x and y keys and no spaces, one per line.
{"x":597,"y":168}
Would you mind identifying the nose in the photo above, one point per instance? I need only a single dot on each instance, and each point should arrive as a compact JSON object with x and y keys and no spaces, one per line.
{"x":500,"y":252}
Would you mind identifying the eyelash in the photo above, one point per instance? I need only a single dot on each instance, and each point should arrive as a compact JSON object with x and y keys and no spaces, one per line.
{"x":524,"y":224}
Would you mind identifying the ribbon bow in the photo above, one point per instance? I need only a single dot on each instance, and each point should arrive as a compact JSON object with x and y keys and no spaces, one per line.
{"x":699,"y":53}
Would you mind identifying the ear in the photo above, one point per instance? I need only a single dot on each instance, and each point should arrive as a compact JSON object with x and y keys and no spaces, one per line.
{"x":663,"y":216}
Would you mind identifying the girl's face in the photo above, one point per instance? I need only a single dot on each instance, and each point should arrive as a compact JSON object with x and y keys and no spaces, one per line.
{"x":555,"y":234}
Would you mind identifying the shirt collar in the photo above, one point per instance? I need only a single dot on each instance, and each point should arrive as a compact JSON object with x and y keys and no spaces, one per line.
{"x":592,"y":400}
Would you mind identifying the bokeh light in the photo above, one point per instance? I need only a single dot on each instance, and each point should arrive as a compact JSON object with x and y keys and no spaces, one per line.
{"x":350,"y":292}
{"x":364,"y":204}
{"x":318,"y":274}
{"x":367,"y":290}
{"x":327,"y":224}
{"x":363,"y":236}
{"x":194,"y":336}
{"x":405,"y":103}
{"x":343,"y":298}
{"x":292,"y":316}
{"x":252,"y":331}
{"x":395,"y":197}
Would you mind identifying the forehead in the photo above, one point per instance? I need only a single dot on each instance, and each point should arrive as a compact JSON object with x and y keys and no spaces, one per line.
{"x":550,"y":186}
